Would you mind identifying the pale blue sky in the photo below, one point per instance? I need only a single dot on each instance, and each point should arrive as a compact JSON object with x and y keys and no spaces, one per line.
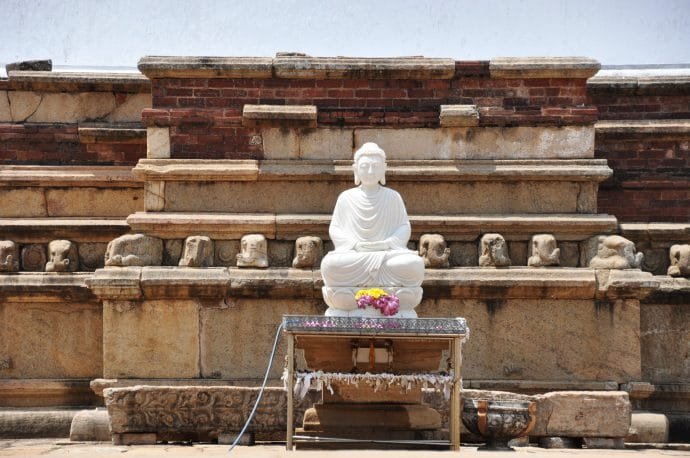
{"x":119,"y":32}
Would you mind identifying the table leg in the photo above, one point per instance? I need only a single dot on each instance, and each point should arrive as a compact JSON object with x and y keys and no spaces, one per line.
{"x":290,"y":389}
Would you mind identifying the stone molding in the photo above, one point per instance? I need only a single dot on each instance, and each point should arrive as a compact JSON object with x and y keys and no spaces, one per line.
{"x":232,"y":226}
{"x":656,"y":234}
{"x":77,"y":81}
{"x":43,"y":230}
{"x":68,"y":176}
{"x":46,"y":392}
{"x":46,"y":287}
{"x":205,"y":67}
{"x":639,"y":85}
{"x":137,"y":283}
{"x":543,"y":67}
{"x":279,"y":115}
{"x":634,"y":129}
{"x":425,"y":170}
{"x":112,"y":133}
{"x":303,"y":67}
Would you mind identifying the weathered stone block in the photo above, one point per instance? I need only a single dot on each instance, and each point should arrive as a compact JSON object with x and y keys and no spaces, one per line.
{"x":279,"y":115}
{"x":73,"y":107}
{"x":93,"y":201}
{"x":665,"y":333}
{"x":226,"y":331}
{"x":280,"y":143}
{"x":158,"y":339}
{"x":130,"y":109}
{"x":581,"y":340}
{"x":459,"y":116}
{"x":518,"y":253}
{"x":583,"y":414}
{"x":5,"y":112}
{"x":51,"y":340}
{"x":570,"y":254}
{"x":23,"y":203}
{"x":172,"y":252}
{"x":326,"y":144}
{"x":157,"y":142}
{"x":23,"y":104}
{"x":154,"y":196}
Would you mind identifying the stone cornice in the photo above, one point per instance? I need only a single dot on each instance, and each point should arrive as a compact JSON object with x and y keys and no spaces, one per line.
{"x":543,"y":67}
{"x":205,"y":67}
{"x":659,"y":233}
{"x":306,"y":67}
{"x":134,"y":284}
{"x":639,"y":85}
{"x":657,"y":128}
{"x":112,"y":133}
{"x":430,"y":170}
{"x":43,"y":230}
{"x":77,"y":82}
{"x":45,"y":287}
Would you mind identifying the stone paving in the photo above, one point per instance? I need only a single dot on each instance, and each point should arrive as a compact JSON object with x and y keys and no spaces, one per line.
{"x":64,"y":448}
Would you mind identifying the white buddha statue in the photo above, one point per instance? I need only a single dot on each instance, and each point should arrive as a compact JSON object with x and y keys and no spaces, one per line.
{"x":370,"y":231}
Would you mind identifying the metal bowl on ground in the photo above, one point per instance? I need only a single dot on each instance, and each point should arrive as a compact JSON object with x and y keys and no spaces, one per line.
{"x":498,"y":421}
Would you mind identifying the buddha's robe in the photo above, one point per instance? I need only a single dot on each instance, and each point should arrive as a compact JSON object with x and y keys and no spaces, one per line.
{"x":361,"y":216}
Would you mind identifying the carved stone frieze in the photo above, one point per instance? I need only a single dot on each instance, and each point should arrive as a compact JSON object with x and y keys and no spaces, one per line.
{"x":434,"y":250}
{"x":494,"y":251}
{"x":680,"y":261}
{"x":195,"y":411}
{"x":34,"y":257}
{"x":544,"y":251}
{"x":134,"y":250}
{"x":63,"y":256}
{"x":254,"y":251}
{"x":308,"y":252}
{"x":198,"y":252}
{"x":9,"y":256}
{"x":616,"y":252}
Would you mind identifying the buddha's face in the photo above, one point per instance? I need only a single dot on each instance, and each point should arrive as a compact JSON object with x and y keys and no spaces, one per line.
{"x":371,"y":170}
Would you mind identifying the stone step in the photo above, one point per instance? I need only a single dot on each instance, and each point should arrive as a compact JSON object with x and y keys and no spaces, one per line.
{"x":69,"y":191}
{"x":232,"y":226}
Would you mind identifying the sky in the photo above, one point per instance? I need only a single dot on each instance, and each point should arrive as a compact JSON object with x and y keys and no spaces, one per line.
{"x":116,"y":33}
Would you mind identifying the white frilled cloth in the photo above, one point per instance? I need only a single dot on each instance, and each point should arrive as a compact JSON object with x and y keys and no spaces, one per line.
{"x":319,"y":379}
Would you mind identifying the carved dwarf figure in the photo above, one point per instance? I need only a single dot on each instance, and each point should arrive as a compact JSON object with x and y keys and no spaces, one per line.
{"x":433,"y":248}
{"x":545,"y":251}
{"x":198,"y":252}
{"x":680,"y":261}
{"x":308,"y":252}
{"x":134,"y":250}
{"x":616,"y":252}
{"x":253,"y":251}
{"x":9,"y":258}
{"x":494,"y":251}
{"x":63,"y":256}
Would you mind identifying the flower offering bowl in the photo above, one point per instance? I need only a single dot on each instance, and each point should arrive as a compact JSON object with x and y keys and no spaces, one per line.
{"x":498,"y":421}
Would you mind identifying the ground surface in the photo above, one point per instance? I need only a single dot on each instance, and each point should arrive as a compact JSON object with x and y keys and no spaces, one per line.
{"x":64,"y":448}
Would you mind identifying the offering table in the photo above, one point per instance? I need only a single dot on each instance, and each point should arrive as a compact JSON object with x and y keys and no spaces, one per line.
{"x":339,"y":352}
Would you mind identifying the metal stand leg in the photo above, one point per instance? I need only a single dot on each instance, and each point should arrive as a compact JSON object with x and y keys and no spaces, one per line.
{"x":290,"y":389}
{"x":455,"y":397}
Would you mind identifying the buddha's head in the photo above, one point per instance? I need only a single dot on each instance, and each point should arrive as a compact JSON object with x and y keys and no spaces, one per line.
{"x":370,"y":165}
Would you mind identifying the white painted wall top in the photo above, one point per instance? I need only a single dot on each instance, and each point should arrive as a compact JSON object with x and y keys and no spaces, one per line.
{"x":119,"y":32}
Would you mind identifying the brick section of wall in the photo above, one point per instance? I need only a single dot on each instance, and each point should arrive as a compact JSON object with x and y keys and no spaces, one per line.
{"x":651,"y":178}
{"x":205,"y":114}
{"x":53,"y":144}
{"x":642,"y":106}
